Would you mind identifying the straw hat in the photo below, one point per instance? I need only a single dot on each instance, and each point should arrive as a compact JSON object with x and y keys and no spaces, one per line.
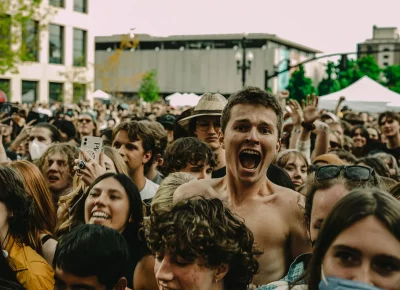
{"x":208,"y":105}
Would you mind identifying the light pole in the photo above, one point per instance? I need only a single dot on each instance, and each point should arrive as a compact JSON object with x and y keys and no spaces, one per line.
{"x":243,"y":60}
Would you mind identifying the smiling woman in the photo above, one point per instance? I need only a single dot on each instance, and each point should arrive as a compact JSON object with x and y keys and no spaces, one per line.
{"x":114,"y":201}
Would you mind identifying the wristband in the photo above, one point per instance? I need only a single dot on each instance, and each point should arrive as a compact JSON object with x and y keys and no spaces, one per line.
{"x":308,"y":126}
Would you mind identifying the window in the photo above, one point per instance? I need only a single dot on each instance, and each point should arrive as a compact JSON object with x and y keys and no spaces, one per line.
{"x":80,"y":6}
{"x":79,"y":92}
{"x":79,"y":47}
{"x":29,"y":91}
{"x":56,"y":44}
{"x":56,"y":92}
{"x":386,"y":49}
{"x":57,"y":3}
{"x":30,"y":41}
{"x":385,"y":64}
{"x":5,"y":87}
{"x":5,"y":35}
{"x":385,"y":56}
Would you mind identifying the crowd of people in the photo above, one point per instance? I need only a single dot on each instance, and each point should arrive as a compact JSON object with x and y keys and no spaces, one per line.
{"x":254,"y":191}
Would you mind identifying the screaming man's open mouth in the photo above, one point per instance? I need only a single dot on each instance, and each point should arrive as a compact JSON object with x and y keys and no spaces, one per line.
{"x":250,"y":159}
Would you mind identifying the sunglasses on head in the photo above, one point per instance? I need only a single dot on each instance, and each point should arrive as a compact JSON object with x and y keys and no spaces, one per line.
{"x":352,"y":172}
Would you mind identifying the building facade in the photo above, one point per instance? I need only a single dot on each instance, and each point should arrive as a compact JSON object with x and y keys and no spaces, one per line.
{"x":384,"y":46}
{"x":194,"y":63}
{"x":63,"y":65}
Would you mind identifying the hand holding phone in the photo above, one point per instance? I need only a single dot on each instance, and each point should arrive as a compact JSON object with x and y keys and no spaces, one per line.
{"x":92,"y":146}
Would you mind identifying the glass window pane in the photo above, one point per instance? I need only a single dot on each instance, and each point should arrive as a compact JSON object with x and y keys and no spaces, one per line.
{"x":79,"y":92}
{"x":56,"y":44}
{"x":30,"y":37}
{"x":56,"y":92}
{"x":57,"y":3}
{"x":79,"y":47}
{"x":29,"y":91}
{"x":80,"y":6}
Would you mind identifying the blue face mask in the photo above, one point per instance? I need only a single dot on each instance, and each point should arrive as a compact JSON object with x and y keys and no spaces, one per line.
{"x":334,"y":283}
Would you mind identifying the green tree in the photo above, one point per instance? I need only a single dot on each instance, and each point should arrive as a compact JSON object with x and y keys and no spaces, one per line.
{"x":299,"y":85}
{"x":149,"y":90}
{"x":392,"y":77}
{"x":329,"y":84}
{"x":356,"y":69}
{"x":16,"y":19}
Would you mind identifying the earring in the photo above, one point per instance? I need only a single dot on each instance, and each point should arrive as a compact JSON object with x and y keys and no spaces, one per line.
{"x":216,"y":280}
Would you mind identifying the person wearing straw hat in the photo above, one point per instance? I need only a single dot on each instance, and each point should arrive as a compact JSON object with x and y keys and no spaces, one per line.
{"x":205,"y":124}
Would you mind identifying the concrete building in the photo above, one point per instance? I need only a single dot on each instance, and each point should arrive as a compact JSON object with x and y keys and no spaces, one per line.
{"x":63,"y":64}
{"x":195,"y":63}
{"x":384,"y":46}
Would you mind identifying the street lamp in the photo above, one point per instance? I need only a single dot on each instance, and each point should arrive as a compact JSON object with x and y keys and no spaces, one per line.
{"x":244,"y":60}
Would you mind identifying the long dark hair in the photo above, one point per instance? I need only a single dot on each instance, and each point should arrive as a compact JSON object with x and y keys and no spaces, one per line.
{"x":357,"y":205}
{"x":132,"y":231}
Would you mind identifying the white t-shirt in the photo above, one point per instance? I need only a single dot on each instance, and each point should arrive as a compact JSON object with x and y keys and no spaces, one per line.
{"x":149,"y":190}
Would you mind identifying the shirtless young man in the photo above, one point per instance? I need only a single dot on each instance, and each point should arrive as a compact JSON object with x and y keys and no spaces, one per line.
{"x":251,"y":125}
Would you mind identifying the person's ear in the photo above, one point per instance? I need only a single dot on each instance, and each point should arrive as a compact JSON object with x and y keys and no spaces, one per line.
{"x":160,"y":161}
{"x":278,"y":145}
{"x":221,"y":272}
{"x":121,"y":284}
{"x":147,"y":156}
{"x":221,"y":139}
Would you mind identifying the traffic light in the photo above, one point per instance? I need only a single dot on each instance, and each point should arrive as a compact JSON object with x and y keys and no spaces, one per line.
{"x":343,"y":65}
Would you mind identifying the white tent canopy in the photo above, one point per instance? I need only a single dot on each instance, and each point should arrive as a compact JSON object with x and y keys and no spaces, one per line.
{"x":99,"y":94}
{"x":182,"y":100}
{"x":363,"y":95}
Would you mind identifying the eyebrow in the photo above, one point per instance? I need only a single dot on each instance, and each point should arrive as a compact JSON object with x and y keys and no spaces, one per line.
{"x":346,"y":248}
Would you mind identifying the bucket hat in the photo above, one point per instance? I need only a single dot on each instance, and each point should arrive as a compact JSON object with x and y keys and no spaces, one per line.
{"x":208,"y":105}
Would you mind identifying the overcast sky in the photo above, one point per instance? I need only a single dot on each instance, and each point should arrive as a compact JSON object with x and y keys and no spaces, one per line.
{"x":330,"y":26}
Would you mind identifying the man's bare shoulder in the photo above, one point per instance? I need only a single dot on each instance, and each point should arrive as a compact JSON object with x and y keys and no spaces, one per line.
{"x":204,"y":187}
{"x":288,"y":197}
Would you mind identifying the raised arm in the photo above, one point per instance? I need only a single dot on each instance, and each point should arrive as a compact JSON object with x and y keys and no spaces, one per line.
{"x":339,"y":104}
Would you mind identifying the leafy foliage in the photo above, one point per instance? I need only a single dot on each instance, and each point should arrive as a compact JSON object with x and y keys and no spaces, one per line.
{"x":18,"y":19}
{"x":299,"y":85}
{"x":392,"y":77}
{"x":149,"y":89}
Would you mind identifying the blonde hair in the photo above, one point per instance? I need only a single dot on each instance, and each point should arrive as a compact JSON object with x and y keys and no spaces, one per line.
{"x":164,"y":195}
{"x":65,"y":212}
{"x":282,"y":158}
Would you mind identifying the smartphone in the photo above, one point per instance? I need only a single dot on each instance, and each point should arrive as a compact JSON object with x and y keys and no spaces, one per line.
{"x":92,"y":145}
{"x":39,"y":117}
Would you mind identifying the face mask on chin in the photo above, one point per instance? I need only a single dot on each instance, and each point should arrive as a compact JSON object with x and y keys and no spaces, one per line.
{"x":335,"y":283}
{"x":37,"y":149}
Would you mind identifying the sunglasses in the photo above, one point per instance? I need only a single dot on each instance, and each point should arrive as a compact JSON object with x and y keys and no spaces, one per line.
{"x":86,"y":120}
{"x":205,"y":125}
{"x":390,"y":121}
{"x":353,"y":172}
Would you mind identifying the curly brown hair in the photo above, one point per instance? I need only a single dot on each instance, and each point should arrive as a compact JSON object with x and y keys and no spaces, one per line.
{"x":187,"y":150}
{"x":206,"y":229}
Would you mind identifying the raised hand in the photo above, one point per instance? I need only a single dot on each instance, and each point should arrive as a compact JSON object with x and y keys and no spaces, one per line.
{"x":310,"y":109}
{"x":297,"y":112}
{"x":91,"y":169}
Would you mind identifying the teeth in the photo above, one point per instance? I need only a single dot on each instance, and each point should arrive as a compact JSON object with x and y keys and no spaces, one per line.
{"x":99,"y":214}
{"x":251,"y":152}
